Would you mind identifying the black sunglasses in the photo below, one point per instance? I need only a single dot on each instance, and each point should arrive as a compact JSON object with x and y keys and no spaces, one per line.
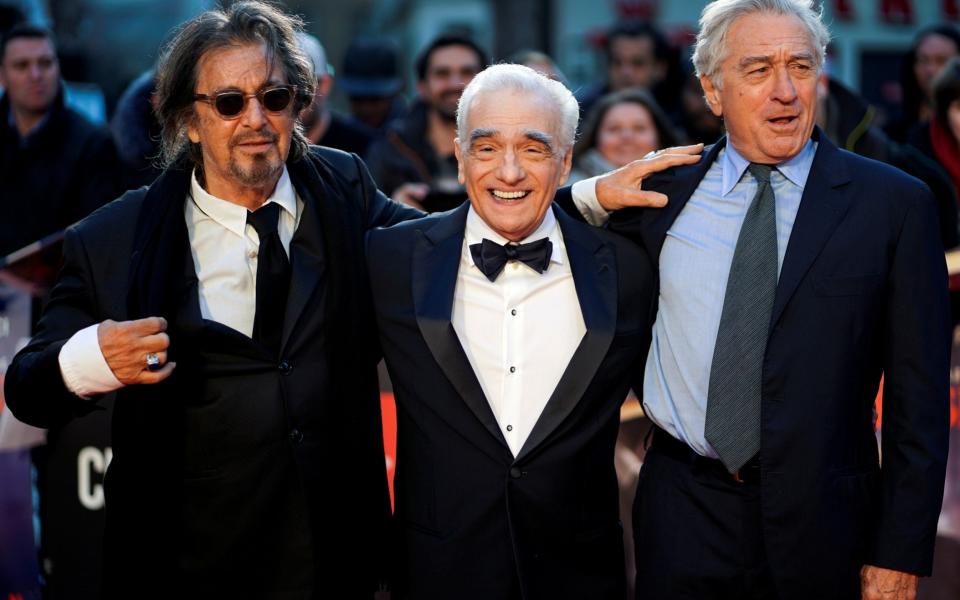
{"x":231,"y":104}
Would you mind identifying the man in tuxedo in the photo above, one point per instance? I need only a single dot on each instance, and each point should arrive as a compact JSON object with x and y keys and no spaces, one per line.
{"x":509,"y":331}
{"x":791,"y":275}
{"x":228,"y":307}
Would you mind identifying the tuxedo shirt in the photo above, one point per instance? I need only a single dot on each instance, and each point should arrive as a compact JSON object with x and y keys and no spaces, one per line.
{"x":224,"y":250}
{"x":519,"y":331}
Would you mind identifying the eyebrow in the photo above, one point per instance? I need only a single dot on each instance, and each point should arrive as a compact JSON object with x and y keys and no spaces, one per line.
{"x":531,"y":134}
{"x":749,"y":61}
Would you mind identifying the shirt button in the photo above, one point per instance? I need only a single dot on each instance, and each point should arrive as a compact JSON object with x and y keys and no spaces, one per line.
{"x":285,"y":367}
{"x":516,"y":473}
{"x":296,"y":436}
{"x":513,"y":312}
{"x":252,"y":254}
{"x":513,"y":369}
{"x":509,"y":427}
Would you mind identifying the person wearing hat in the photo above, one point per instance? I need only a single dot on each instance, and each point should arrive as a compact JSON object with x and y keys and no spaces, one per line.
{"x":371,"y":80}
{"x":321,"y":125}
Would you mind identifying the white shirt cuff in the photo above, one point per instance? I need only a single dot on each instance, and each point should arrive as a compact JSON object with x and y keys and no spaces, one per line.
{"x":584,"y":195}
{"x":84,"y":369}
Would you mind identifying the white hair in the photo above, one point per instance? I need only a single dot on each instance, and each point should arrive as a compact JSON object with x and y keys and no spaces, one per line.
{"x":718,"y":17}
{"x":521,"y":79}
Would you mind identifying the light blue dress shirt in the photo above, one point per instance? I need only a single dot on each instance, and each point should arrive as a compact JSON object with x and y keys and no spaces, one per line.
{"x":694,"y":265}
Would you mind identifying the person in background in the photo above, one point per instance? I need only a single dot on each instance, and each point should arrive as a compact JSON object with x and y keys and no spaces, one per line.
{"x":371,"y":79}
{"x":848,"y":120}
{"x":541,"y":63}
{"x":638,"y":55}
{"x":55,"y":166}
{"x":621,"y":127}
{"x":136,"y":132}
{"x":322,"y":125}
{"x":932,"y":48}
{"x":415,"y":161}
{"x":698,"y":124}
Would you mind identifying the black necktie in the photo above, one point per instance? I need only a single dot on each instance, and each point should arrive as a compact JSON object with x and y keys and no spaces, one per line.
{"x":273,"y":277}
{"x":733,"y":399}
{"x":490,"y":257}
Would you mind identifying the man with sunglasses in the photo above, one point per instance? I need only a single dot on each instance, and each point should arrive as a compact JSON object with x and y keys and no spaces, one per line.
{"x":227,"y":307}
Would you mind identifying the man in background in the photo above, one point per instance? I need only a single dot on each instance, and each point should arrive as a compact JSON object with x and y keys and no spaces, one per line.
{"x":415,"y":162}
{"x":55,"y":166}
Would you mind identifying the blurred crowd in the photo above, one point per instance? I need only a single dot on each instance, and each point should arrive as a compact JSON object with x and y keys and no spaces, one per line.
{"x":56,"y":166}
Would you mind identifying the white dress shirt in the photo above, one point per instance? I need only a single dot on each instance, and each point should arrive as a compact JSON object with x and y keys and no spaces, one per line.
{"x":520,"y":331}
{"x":224,"y":250}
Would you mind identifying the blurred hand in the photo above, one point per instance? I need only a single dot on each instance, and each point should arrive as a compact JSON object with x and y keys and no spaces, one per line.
{"x":877,"y":583}
{"x":621,"y":188}
{"x":411,"y":194}
{"x":125,"y":346}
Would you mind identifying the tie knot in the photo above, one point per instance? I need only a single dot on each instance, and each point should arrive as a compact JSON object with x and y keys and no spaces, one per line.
{"x":511,"y":251}
{"x":264,"y":219}
{"x":760,"y":172}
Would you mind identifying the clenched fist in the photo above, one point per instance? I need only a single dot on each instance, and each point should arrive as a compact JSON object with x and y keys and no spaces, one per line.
{"x":126,"y":344}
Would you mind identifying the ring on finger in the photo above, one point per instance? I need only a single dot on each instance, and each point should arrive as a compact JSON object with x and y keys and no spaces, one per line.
{"x":153,"y":362}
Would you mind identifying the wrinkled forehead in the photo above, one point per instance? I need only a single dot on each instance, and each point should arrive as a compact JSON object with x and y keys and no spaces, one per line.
{"x":766,"y":37}
{"x":246,"y":67}
{"x":511,"y":110}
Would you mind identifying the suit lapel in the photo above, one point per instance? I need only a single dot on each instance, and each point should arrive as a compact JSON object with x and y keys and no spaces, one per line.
{"x":595,"y":279}
{"x":822,"y":207}
{"x":306,"y":248}
{"x":436,"y":262}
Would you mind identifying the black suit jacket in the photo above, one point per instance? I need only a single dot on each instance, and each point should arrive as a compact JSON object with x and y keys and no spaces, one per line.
{"x":244,"y":473}
{"x":862,"y":292}
{"x":473,"y":521}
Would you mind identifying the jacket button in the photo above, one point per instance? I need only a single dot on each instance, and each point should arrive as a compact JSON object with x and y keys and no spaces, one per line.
{"x":296,"y":436}
{"x":285,"y":367}
{"x":516,"y":473}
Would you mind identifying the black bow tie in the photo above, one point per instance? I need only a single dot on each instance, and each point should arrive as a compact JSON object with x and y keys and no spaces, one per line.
{"x":490,"y":257}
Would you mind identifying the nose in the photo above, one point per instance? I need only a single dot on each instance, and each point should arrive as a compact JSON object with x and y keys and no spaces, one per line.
{"x":784,"y":89}
{"x":510,"y":170}
{"x":253,"y":115}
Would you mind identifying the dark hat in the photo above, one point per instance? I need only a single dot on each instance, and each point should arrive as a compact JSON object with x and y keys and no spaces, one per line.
{"x":370,"y":68}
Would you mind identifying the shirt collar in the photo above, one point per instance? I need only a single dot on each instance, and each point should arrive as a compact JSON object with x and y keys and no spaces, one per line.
{"x":795,"y":170}
{"x":233,"y":216}
{"x":477,"y":230}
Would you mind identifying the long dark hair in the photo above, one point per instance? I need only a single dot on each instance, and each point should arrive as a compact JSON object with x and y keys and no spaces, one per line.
{"x":913,"y":97}
{"x":666,"y":134}
{"x":247,"y":22}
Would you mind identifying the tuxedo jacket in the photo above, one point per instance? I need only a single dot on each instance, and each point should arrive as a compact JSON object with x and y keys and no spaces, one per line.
{"x":474,"y":521}
{"x":245,"y":473}
{"x":862,"y":293}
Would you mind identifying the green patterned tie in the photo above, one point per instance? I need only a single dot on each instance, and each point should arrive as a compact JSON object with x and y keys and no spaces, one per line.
{"x":733,"y":398}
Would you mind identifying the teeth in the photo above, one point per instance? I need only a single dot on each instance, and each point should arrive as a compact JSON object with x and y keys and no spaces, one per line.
{"x":509,"y":195}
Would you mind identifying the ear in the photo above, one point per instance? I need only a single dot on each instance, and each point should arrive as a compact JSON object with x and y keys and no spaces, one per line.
{"x":422,"y":89}
{"x":567,"y":166}
{"x":712,"y":95}
{"x":192,"y":132}
{"x":459,"y":154}
{"x":3,"y":78}
{"x":324,"y":84}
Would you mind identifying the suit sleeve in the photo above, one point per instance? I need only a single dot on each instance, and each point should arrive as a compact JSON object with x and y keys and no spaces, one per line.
{"x":379,"y":210}
{"x":34,"y":388}
{"x":915,"y":425}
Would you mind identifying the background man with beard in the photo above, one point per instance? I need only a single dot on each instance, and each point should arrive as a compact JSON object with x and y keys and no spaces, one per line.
{"x":227,"y":306}
{"x":415,"y":161}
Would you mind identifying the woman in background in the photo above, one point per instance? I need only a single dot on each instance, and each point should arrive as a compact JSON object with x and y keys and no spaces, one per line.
{"x":621,"y":127}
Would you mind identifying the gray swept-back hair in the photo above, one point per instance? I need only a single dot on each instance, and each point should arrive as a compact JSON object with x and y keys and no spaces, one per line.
{"x":246,"y":22}
{"x":519,"y":78}
{"x":717,"y":18}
